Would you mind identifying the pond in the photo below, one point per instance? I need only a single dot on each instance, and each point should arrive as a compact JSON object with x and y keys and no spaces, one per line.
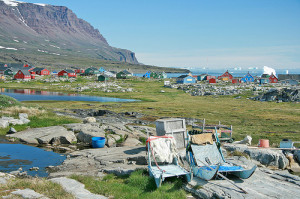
{"x":34,"y":95}
{"x":14,"y":156}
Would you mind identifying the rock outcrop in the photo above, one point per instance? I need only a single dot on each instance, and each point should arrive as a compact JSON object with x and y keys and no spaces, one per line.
{"x":5,"y":121}
{"x":267,"y":157}
{"x":281,"y":95}
{"x":46,"y":135}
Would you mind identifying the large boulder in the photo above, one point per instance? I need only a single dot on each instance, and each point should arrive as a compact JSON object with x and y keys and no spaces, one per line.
{"x":4,"y":123}
{"x":78,"y":127}
{"x":131,"y":142}
{"x":118,"y":129}
{"x":89,"y":120}
{"x":13,"y":121}
{"x":86,"y":136}
{"x":297,"y":156}
{"x":267,"y":157}
{"x":46,"y":135}
{"x":111,"y":140}
{"x":85,"y":132}
{"x":24,"y":118}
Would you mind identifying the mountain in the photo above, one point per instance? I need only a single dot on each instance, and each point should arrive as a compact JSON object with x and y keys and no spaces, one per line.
{"x":49,"y":35}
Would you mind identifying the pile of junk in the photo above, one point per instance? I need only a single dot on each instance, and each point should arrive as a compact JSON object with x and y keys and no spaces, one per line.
{"x":202,"y":147}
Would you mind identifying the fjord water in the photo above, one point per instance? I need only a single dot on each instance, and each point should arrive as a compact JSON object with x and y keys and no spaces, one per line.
{"x":14,"y":156}
{"x":235,"y":73}
{"x":34,"y":95}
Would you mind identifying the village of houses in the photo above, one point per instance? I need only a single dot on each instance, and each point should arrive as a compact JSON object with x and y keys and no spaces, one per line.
{"x":267,"y":87}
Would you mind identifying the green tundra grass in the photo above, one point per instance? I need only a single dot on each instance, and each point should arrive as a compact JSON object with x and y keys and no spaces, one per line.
{"x":138,"y":185}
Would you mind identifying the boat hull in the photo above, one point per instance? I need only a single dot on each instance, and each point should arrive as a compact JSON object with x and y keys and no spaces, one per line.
{"x":205,"y":173}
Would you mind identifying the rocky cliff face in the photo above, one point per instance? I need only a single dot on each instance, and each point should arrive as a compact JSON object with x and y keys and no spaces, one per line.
{"x":53,"y":29}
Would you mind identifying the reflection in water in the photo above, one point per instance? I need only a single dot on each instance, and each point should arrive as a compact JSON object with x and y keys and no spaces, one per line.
{"x":34,"y":95}
{"x":8,"y":163}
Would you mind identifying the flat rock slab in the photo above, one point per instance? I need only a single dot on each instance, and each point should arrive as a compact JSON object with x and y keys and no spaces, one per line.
{"x":117,"y":160}
{"x":76,"y":188}
{"x":29,"y":194}
{"x":46,"y":135}
{"x":263,"y":183}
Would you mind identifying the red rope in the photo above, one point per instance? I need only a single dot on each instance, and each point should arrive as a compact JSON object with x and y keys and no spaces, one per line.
{"x":156,"y":137}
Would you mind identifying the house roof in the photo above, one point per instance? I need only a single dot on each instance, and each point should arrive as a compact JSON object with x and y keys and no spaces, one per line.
{"x":265,"y":76}
{"x":226,"y":74}
{"x":92,"y":68}
{"x":183,"y":76}
{"x":25,"y":72}
{"x":2,"y":68}
{"x":126,"y":72}
{"x":37,"y":69}
{"x":248,"y":74}
{"x":69,"y":71}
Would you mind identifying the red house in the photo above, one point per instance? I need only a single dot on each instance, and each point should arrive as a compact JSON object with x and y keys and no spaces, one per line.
{"x":273,"y":79}
{"x":40,"y":71}
{"x":212,"y":81}
{"x":235,"y":81}
{"x":79,"y":70}
{"x":226,"y":76}
{"x":208,"y":77}
{"x":67,"y":73}
{"x":23,"y":74}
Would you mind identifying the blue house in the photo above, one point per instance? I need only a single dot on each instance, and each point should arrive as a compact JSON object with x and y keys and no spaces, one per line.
{"x":102,"y":70}
{"x":264,"y":79}
{"x":201,"y":77}
{"x":185,"y":79}
{"x":147,"y":74}
{"x":248,"y":78}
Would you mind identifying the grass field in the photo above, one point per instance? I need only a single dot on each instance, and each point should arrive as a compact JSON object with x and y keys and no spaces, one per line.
{"x":136,"y":186}
{"x":261,"y":120}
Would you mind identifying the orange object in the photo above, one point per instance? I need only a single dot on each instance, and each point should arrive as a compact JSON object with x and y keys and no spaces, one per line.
{"x":263,"y":143}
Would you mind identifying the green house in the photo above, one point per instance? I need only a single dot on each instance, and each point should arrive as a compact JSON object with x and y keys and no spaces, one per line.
{"x":91,"y":71}
{"x":9,"y":72}
{"x":121,"y":75}
{"x":103,"y":78}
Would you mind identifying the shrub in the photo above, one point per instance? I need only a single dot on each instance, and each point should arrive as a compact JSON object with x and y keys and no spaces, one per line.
{"x":6,"y":101}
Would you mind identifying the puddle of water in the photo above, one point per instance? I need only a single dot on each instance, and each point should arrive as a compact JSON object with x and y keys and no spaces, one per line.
{"x":14,"y":156}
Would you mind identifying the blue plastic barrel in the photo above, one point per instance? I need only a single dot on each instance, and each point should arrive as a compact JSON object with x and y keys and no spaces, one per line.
{"x":98,"y":142}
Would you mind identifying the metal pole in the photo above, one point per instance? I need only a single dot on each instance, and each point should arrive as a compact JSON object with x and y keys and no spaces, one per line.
{"x":225,"y":178}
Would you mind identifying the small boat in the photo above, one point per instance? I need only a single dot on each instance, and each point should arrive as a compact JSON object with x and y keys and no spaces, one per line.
{"x":163,"y":159}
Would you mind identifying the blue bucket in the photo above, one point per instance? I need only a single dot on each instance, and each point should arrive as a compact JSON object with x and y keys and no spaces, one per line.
{"x":98,"y":142}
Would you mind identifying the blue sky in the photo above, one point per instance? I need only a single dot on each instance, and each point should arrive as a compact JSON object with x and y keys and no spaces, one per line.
{"x":198,"y":33}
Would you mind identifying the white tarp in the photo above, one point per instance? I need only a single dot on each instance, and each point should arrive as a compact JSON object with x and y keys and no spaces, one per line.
{"x":164,"y":149}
